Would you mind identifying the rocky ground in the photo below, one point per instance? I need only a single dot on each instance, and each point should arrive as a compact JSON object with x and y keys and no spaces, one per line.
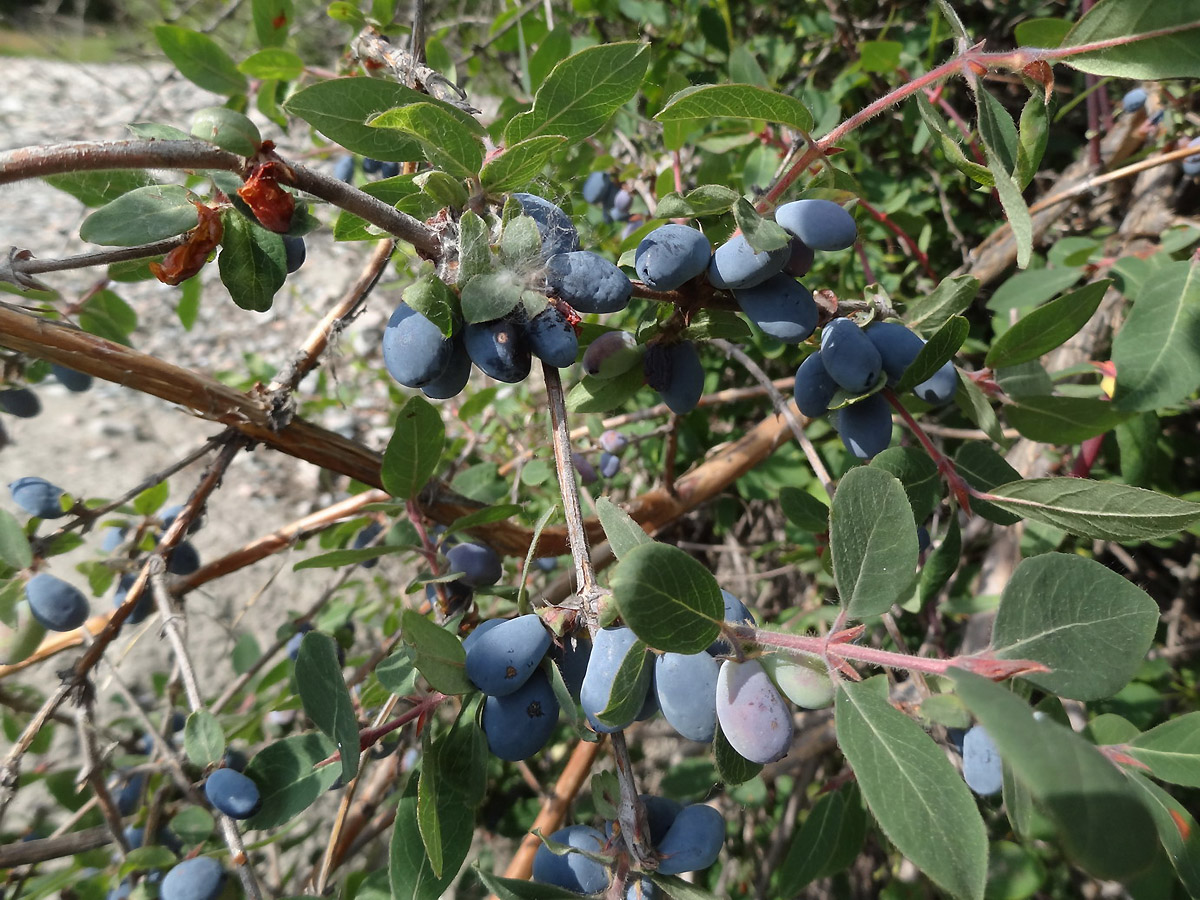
{"x":103,"y":442}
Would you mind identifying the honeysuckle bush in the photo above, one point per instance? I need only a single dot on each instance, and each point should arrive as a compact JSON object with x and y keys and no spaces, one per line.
{"x":988,"y":165}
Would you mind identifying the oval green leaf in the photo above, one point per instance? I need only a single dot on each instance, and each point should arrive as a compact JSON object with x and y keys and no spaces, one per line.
{"x":325,"y":697}
{"x":670,"y":600}
{"x":141,"y":216}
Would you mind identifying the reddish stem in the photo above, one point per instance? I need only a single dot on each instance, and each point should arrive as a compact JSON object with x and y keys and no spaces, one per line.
{"x":369,"y":736}
{"x":954,"y":481}
{"x":1088,"y":451}
{"x":905,"y":238}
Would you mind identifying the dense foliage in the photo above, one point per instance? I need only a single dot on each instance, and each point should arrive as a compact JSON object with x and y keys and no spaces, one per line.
{"x":928,"y":629}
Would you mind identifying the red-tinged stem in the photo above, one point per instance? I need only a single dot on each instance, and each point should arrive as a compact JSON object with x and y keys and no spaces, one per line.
{"x":1014,"y":60}
{"x":369,"y":736}
{"x":868,"y":272}
{"x":961,"y":490}
{"x":677,"y":169}
{"x":1089,"y":450}
{"x":835,"y":652}
{"x":905,"y":238}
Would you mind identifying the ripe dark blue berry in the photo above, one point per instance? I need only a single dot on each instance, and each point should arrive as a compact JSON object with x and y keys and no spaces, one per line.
{"x":415,"y":352}
{"x":183,"y":560}
{"x":686,"y":688}
{"x":497,"y":349}
{"x":675,"y":371}
{"x":865,"y":426}
{"x":693,"y":841}
{"x":738,"y":265}
{"x":343,"y":168}
{"x":145,"y":603}
{"x":233,"y":794}
{"x":1134,"y":100}
{"x":455,"y":376}
{"x":781,"y":306}
{"x":849,"y":356}
{"x":671,"y":255}
{"x":20,"y":402}
{"x":479,"y":564}
{"x":587,"y":281}
{"x":519,"y":724}
{"x":551,"y":338}
{"x":504,"y":657}
{"x":983,"y":769}
{"x":813,"y":388}
{"x":57,"y":605}
{"x":201,"y":878}
{"x":821,"y":224}
{"x":70,"y":379}
{"x":596,"y":187}
{"x":555,"y":226}
{"x":610,"y":465}
{"x":572,"y":871}
{"x":371,"y":166}
{"x":610,"y":647}
{"x":38,"y":497}
{"x":294,"y":252}
{"x":801,"y":260}
{"x":389,"y":170}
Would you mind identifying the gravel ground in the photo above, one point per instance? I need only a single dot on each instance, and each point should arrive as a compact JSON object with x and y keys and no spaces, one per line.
{"x":103,"y":442}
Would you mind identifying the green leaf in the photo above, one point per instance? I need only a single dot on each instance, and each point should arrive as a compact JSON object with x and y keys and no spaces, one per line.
{"x":669,"y":599}
{"x":804,"y":510}
{"x":1058,"y":608}
{"x":829,"y":840}
{"x":203,"y":739}
{"x":873,"y":541}
{"x":1103,"y":511}
{"x":761,"y":233}
{"x":14,"y":545}
{"x":491,"y":295}
{"x":340,"y":107}
{"x":1140,"y":55}
{"x":1032,"y":139}
{"x":939,"y":350}
{"x":1177,"y":830}
{"x":1043,"y":32}
{"x":409,"y":869}
{"x":1171,"y":750}
{"x":732,"y":767}
{"x":335,"y":559}
{"x":274,"y":64}
{"x":623,"y":533}
{"x":599,"y":395}
{"x":461,"y":759}
{"x":1032,"y":287}
{"x":996,"y":129}
{"x":1103,"y":824}
{"x":582,"y":92}
{"x":200,"y":59}
{"x":437,"y":654}
{"x":984,"y":468}
{"x":226,"y":128}
{"x":107,"y":315}
{"x":156,"y":131}
{"x":448,"y":142}
{"x":99,"y":188}
{"x":1063,"y":420}
{"x":397,"y":673}
{"x":141,"y":216}
{"x":252,"y":262}
{"x":519,"y":889}
{"x":941,"y":563}
{"x":413,"y":453}
{"x":402,"y":192}
{"x":474,"y":251}
{"x":517,"y":166}
{"x":736,"y":101}
{"x":707,"y":324}
{"x":948,"y":140}
{"x":430,"y":296}
{"x":271,"y":20}
{"x":919,"y":475}
{"x":286,"y":779}
{"x":151,"y":499}
{"x":193,"y":825}
{"x":1047,"y":327}
{"x":1157,"y":350}
{"x":953,"y":295}
{"x":140,"y":859}
{"x":706,"y":200}
{"x":627,"y":693}
{"x":325,"y":697}
{"x":1015,"y":209}
{"x":919,"y":800}
{"x":428,"y":823}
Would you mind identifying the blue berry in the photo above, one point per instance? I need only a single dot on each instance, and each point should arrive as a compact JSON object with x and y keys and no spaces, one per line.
{"x":686,"y":687}
{"x":610,"y":647}
{"x":233,"y":793}
{"x":505,"y":657}
{"x":596,"y":187}
{"x":738,"y":265}
{"x":849,"y":356}
{"x":551,"y":338}
{"x":555,"y":226}
{"x":610,"y":465}
{"x":670,"y":256}
{"x":693,"y":841}
{"x":343,"y":168}
{"x":38,"y":497}
{"x":611,"y":354}
{"x":983,"y":769}
{"x":73,"y":381}
{"x":1134,"y":100}
{"x":455,"y":376}
{"x":20,"y":402}
{"x":675,"y":371}
{"x":519,"y":724}
{"x":415,"y":352}
{"x":1191,"y":164}
{"x":752,"y":715}
{"x":201,"y":878}
{"x":294,"y":252}
{"x":821,"y":224}
{"x":781,"y":306}
{"x":57,"y":605}
{"x":479,"y":564}
{"x":736,"y":613}
{"x":865,"y":426}
{"x":497,"y":348}
{"x":813,"y":388}
{"x":587,"y":281}
{"x":572,"y":871}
